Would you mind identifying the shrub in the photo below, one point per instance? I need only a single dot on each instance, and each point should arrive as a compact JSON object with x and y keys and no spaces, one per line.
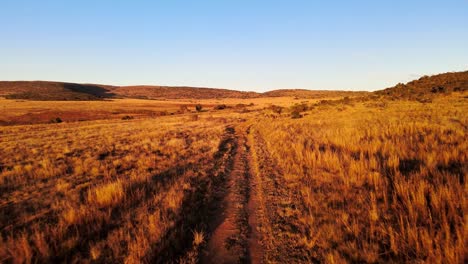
{"x":241,"y":108}
{"x":438,"y":89}
{"x":198,"y":107}
{"x":56,"y":120}
{"x":299,"y":107}
{"x":327,"y":103}
{"x":127,"y":117}
{"x":220,"y":107}
{"x":295,"y":114}
{"x":276,"y":109}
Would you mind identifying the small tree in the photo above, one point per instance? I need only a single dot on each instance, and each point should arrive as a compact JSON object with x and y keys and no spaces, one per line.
{"x":198,"y":107}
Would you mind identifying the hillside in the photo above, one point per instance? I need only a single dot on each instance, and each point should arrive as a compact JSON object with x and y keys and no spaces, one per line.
{"x":53,"y":91}
{"x":179,"y":92}
{"x":310,"y":94}
{"x":428,"y":86}
{"x":424,"y":87}
{"x":59,"y":91}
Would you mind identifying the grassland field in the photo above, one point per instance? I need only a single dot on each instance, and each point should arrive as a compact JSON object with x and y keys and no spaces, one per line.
{"x":344,"y":179}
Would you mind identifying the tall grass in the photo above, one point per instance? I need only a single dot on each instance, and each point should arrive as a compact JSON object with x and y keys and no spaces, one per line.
{"x":351,"y":181}
{"x":378,"y":184}
{"x":99,"y":191}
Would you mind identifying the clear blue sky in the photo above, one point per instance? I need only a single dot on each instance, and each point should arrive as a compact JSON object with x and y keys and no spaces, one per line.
{"x":237,"y":44}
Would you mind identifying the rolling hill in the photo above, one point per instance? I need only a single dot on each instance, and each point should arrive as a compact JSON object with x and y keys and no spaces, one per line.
{"x":310,"y":94}
{"x":59,"y":91}
{"x":179,"y":92}
{"x":426,"y":86}
{"x":49,"y":91}
{"x":53,"y":91}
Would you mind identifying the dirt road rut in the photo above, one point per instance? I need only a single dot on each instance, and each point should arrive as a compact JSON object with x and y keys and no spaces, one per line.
{"x":234,"y":235}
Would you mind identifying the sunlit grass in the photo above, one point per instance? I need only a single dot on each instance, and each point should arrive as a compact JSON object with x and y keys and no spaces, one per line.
{"x":377,"y":183}
{"x":360,"y":181}
{"x":78,"y":190}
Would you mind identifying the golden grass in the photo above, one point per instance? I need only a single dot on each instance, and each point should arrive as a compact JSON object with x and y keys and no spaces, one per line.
{"x":198,"y":238}
{"x":102,"y":190}
{"x":377,"y":183}
{"x":351,"y":181}
{"x":36,"y":112}
{"x":109,"y":194}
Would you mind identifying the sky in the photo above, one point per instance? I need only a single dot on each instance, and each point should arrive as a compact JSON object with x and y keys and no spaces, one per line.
{"x":235,"y":44}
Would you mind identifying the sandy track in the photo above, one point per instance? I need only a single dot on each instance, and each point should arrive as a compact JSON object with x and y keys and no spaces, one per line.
{"x":234,"y":228}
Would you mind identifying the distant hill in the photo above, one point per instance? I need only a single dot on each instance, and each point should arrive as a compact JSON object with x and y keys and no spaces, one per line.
{"x":424,"y":87}
{"x":428,"y":86}
{"x":43,"y":91}
{"x":50,"y":91}
{"x":179,"y":92}
{"x":310,"y":94}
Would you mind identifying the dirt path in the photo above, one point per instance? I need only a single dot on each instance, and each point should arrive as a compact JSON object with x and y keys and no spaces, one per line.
{"x":255,"y":211}
{"x":234,"y":229}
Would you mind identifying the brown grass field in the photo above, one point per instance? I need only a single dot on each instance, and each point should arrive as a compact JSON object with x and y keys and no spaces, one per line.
{"x":357,"y":178}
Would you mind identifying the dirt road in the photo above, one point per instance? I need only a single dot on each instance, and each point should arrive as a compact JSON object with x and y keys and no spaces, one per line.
{"x":245,"y":208}
{"x":234,"y":229}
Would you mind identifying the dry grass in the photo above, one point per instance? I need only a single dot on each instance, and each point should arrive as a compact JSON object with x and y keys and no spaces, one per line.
{"x":104,"y":190}
{"x":109,"y":194}
{"x":375,"y":183}
{"x":351,"y":181}
{"x":20,"y":112}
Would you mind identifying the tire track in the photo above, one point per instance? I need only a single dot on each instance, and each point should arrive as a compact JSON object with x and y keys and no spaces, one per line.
{"x":234,"y":233}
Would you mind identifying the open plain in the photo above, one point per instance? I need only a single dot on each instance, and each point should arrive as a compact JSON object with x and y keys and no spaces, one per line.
{"x":294,"y":177}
